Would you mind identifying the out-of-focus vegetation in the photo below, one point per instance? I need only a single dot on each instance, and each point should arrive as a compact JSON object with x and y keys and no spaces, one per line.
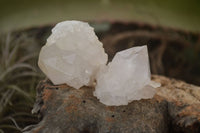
{"x":183,"y":14}
{"x":18,"y":79}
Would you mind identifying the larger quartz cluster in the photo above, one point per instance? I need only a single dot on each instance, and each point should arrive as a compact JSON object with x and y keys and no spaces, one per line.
{"x":72,"y":55}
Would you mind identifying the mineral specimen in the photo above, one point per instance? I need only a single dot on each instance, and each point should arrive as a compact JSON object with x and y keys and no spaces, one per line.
{"x":126,"y":78}
{"x":72,"y":55}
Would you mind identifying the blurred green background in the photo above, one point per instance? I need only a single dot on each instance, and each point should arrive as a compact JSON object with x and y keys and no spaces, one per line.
{"x":16,"y":14}
{"x":25,"y":25}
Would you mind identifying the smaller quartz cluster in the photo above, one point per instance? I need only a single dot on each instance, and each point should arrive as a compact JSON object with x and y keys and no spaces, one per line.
{"x":74,"y":55}
{"x":126,"y":78}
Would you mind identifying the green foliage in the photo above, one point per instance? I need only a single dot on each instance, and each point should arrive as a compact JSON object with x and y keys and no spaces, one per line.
{"x":18,"y":79}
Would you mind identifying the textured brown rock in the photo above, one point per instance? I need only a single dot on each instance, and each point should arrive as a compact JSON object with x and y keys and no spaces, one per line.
{"x":175,"y":108}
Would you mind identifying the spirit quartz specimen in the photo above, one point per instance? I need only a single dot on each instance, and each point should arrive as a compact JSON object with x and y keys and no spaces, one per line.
{"x":126,"y":78}
{"x":74,"y":55}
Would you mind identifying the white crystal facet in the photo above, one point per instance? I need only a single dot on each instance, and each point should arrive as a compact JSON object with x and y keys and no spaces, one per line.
{"x":126,"y":78}
{"x":73,"y":54}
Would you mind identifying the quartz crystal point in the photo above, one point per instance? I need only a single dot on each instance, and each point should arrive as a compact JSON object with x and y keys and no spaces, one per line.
{"x":72,"y":54}
{"x":126,"y":78}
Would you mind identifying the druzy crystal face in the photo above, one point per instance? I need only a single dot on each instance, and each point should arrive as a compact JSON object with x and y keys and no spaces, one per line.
{"x":72,"y":55}
{"x":126,"y":78}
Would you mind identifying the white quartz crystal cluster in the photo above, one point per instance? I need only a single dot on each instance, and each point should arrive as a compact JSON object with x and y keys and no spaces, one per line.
{"x":74,"y":55}
{"x":126,"y":78}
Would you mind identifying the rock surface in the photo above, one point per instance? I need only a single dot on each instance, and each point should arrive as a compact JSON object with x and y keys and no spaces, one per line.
{"x":174,"y":109}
